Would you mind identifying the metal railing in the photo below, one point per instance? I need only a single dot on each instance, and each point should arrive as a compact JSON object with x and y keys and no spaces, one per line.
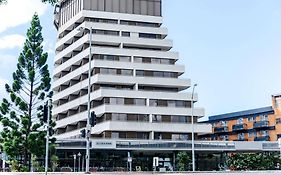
{"x":238,"y":127}
{"x":260,"y":124}
{"x":221,"y":129}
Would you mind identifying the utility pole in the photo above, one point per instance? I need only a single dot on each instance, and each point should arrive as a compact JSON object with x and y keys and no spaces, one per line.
{"x":48,"y":115}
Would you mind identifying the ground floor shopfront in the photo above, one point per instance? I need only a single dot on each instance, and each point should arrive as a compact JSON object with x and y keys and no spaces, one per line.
{"x":116,"y":160}
{"x":112,"y":155}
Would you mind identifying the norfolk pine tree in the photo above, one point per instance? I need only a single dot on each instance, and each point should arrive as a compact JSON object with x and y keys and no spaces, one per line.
{"x":23,"y":132}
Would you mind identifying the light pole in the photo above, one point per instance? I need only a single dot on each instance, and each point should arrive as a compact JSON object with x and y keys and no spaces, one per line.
{"x":74,"y":162}
{"x":192,"y":126}
{"x":79,"y":160}
{"x":49,"y":105}
{"x":88,"y":127}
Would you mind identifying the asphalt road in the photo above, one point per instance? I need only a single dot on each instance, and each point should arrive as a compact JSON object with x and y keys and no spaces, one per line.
{"x":151,"y":173}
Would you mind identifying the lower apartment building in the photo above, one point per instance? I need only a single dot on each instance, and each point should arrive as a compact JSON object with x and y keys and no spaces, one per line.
{"x":261,"y":124}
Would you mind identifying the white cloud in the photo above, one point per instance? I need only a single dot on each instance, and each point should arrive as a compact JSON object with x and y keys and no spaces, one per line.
{"x":17,"y":12}
{"x":11,"y":41}
{"x":49,"y":47}
{"x":8,"y":64}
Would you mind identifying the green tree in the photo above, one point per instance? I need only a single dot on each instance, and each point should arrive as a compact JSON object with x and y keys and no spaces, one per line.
{"x":23,"y":132}
{"x":52,"y":2}
{"x":183,"y":160}
{"x":253,"y":161}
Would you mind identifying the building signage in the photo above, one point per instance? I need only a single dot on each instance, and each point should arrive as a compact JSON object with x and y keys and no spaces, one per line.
{"x":104,"y":144}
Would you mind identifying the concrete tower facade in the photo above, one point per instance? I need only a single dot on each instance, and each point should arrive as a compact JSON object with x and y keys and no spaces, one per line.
{"x":136,"y":89}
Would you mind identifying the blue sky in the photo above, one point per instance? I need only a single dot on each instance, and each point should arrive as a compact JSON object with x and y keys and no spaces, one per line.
{"x":230,"y":48}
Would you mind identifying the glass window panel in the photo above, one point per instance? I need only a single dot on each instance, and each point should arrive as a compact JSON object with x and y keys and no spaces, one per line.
{"x":183,"y":136}
{"x":156,"y":118}
{"x":114,"y":135}
{"x":120,"y":101}
{"x":155,"y":60}
{"x":171,"y":103}
{"x":126,"y":72}
{"x":140,"y":73}
{"x":113,"y":101}
{"x":137,"y":59}
{"x":124,"y":58}
{"x":140,"y":102}
{"x":152,"y":102}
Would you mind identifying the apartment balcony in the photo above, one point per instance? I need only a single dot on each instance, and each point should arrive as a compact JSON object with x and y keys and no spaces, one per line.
{"x":261,"y":124}
{"x":262,"y":138}
{"x":221,"y":129}
{"x":239,"y":127}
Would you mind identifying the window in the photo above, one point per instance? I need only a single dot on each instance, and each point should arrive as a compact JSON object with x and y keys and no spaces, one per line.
{"x":240,"y":121}
{"x":251,"y":133}
{"x":264,"y":117}
{"x":140,"y":102}
{"x":126,"y":34}
{"x":157,"y":118}
{"x":171,"y":103}
{"x":223,"y":123}
{"x":241,"y":136}
{"x":158,"y":136}
{"x":264,"y":133}
{"x":152,"y":102}
{"x":140,"y":73}
{"x":114,"y":135}
{"x":138,"y":59}
{"x":126,"y":72}
{"x":183,"y":137}
{"x":148,"y":35}
{"x":278,"y":120}
{"x":178,"y":119}
{"x":179,"y":137}
{"x":155,"y":61}
{"x":251,"y":119}
{"x":125,"y":58}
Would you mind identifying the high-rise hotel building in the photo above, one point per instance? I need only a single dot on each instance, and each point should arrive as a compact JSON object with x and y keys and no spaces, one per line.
{"x":136,"y":90}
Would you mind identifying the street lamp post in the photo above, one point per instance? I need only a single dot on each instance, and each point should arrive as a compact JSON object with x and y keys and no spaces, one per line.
{"x":74,"y":162}
{"x":49,"y":105}
{"x":79,"y":160}
{"x":192,"y":126}
{"x":88,"y":127}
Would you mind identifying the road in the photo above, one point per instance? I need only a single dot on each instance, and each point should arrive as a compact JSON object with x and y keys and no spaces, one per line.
{"x":151,"y":173}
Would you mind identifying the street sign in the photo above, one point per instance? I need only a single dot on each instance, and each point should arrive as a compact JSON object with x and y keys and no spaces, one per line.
{"x":155,"y":161}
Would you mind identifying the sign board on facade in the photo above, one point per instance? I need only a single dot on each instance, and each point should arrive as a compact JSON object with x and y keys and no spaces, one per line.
{"x":155,"y":161}
{"x":100,"y":144}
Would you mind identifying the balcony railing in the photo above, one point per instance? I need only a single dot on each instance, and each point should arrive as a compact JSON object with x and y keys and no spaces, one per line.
{"x":241,"y":139}
{"x":221,"y":129}
{"x":239,"y":127}
{"x":261,"y":124}
{"x":262,"y":138}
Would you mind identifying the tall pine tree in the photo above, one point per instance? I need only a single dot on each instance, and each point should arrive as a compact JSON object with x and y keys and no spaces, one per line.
{"x":23,"y":132}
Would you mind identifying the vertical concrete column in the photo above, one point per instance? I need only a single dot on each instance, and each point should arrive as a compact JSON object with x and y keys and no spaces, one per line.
{"x":151,"y":135}
{"x":136,"y":87}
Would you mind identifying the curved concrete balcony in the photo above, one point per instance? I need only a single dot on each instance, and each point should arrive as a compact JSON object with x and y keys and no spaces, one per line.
{"x":130,"y":109}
